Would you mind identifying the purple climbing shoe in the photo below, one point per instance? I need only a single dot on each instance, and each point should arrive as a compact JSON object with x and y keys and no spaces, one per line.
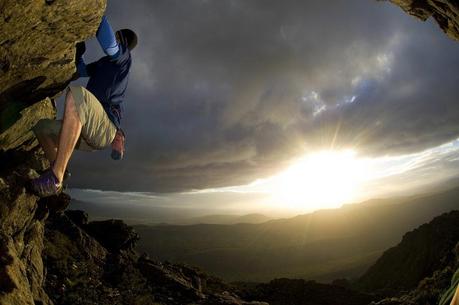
{"x":47,"y":184}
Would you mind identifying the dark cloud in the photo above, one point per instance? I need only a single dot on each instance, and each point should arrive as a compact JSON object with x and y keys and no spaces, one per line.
{"x":224,"y":92}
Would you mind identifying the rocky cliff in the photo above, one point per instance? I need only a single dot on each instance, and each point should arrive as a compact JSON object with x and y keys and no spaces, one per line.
{"x":419,"y":269}
{"x":36,"y":63}
{"x":445,"y":13}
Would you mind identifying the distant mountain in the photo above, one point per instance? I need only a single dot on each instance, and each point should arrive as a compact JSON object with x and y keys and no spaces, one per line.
{"x":153,"y":215}
{"x":323,"y":245}
{"x":224,"y":219}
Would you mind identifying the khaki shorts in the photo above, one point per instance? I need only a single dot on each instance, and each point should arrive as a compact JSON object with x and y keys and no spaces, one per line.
{"x":97,"y":130}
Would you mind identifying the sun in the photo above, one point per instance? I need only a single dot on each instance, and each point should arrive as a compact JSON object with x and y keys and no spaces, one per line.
{"x":326,"y":179}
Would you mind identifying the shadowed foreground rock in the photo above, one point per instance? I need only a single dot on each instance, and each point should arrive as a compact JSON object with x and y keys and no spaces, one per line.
{"x":420,"y":253}
{"x":417,"y":271}
{"x":297,"y":291}
{"x":80,"y":270}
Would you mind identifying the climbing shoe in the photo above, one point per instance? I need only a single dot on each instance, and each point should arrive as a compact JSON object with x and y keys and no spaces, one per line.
{"x":46,"y":185}
{"x":67,"y":176}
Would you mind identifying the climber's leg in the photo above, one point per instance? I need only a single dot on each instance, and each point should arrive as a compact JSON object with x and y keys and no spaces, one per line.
{"x":49,"y":147}
{"x":86,"y":126}
{"x":50,"y":182}
{"x":47,"y":133}
{"x":68,"y":138}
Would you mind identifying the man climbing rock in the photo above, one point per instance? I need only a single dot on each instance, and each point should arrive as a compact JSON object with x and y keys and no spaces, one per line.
{"x":92,"y":115}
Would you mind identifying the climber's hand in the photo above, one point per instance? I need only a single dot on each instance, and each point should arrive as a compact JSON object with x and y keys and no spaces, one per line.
{"x":80,"y":49}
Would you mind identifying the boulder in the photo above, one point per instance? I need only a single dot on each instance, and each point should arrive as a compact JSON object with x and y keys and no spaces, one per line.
{"x":113,"y":234}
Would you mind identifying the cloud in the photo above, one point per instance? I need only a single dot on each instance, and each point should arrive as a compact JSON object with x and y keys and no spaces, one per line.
{"x":224,"y":92}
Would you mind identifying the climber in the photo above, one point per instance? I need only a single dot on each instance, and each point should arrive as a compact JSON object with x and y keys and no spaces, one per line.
{"x":92,"y":115}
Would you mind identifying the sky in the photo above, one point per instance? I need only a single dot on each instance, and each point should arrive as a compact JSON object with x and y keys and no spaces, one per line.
{"x":234,"y":92}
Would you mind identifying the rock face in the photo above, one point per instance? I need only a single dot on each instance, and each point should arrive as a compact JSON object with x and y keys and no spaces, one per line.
{"x":36,"y":63}
{"x":37,"y":58}
{"x":21,"y":231}
{"x":445,"y":12}
{"x":114,"y":234}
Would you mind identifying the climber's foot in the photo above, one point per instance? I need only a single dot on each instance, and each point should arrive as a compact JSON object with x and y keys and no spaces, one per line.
{"x":46,"y":185}
{"x":67,"y":176}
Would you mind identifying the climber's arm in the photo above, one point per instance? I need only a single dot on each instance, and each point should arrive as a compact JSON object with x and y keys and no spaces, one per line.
{"x":81,"y":68}
{"x":79,"y":60}
{"x":107,"y":39}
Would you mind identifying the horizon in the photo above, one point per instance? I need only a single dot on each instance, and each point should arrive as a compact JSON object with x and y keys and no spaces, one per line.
{"x":151,"y":212}
{"x":256,"y":198}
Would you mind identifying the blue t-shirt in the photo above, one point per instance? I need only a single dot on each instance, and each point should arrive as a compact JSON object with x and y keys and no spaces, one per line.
{"x":108,"y":80}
